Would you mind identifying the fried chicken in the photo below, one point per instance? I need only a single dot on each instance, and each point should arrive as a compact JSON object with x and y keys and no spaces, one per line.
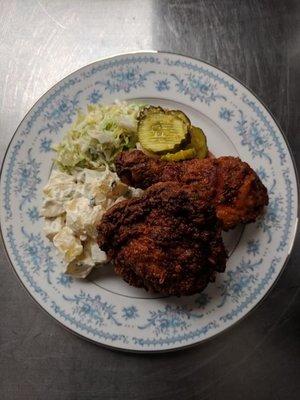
{"x":167,"y":241}
{"x":227,"y":183}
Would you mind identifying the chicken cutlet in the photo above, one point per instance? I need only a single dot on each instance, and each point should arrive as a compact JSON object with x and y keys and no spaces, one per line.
{"x":228,"y":183}
{"x":168,"y":240}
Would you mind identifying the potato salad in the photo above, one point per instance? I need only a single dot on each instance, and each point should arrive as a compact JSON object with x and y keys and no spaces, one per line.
{"x":72,"y":206}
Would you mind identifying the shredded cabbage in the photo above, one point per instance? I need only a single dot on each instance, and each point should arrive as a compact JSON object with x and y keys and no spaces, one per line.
{"x":97,"y":137}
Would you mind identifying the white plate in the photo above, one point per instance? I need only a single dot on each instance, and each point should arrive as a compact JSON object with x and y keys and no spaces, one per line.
{"x":105,"y":309}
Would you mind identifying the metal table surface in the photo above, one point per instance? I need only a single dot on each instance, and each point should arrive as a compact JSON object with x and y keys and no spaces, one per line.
{"x":258,"y":42}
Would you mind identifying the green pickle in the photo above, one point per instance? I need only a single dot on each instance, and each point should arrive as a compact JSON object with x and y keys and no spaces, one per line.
{"x":196,"y":148}
{"x":198,"y":142}
{"x":181,"y":155}
{"x":162,"y":131}
{"x":181,"y":115}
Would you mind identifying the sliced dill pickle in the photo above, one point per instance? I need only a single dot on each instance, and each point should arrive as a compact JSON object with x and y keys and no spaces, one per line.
{"x":161,"y":131}
{"x":154,"y":110}
{"x":180,"y":155}
{"x":147,"y":110}
{"x":181,"y":115}
{"x":198,"y":142}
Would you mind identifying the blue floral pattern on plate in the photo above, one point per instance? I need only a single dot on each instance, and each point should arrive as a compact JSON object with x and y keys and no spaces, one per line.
{"x":226,"y":114}
{"x":27,"y":179}
{"x":94,"y":97}
{"x":60,"y":112}
{"x":253,"y":136}
{"x":171,"y":319}
{"x":125,"y":79}
{"x":198,"y":87}
{"x":123,"y":319}
{"x":253,"y":247}
{"x":162,"y":85}
{"x":45,"y":145}
{"x":130,"y":313}
{"x":33,"y":214}
{"x":64,"y":280}
{"x":38,"y":254}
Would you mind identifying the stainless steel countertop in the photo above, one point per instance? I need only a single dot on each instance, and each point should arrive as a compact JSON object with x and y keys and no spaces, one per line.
{"x":258,"y":42}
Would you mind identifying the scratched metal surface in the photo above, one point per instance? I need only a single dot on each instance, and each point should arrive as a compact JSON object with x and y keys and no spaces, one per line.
{"x":256,"y":41}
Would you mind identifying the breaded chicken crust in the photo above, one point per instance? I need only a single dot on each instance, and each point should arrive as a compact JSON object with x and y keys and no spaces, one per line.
{"x":168,"y":240}
{"x":228,"y":183}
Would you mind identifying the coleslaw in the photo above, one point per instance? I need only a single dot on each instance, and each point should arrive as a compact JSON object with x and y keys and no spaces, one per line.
{"x":96,"y":137}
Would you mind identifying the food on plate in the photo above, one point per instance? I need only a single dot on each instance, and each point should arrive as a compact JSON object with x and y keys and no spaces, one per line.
{"x":68,"y":244}
{"x":180,"y":155}
{"x":83,"y":185}
{"x":72,"y":206}
{"x":168,"y":240}
{"x":198,"y":142}
{"x":97,"y":137}
{"x":161,"y":131}
{"x":169,"y":133}
{"x":229,"y":184}
{"x":160,"y":217}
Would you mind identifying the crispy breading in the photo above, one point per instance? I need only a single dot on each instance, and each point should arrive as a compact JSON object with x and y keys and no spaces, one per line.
{"x":228,"y":183}
{"x":167,"y":241}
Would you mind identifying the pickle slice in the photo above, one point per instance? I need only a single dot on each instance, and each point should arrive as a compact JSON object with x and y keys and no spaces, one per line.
{"x":180,"y":155}
{"x":162,"y":131}
{"x":181,"y":115}
{"x":198,"y":142}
